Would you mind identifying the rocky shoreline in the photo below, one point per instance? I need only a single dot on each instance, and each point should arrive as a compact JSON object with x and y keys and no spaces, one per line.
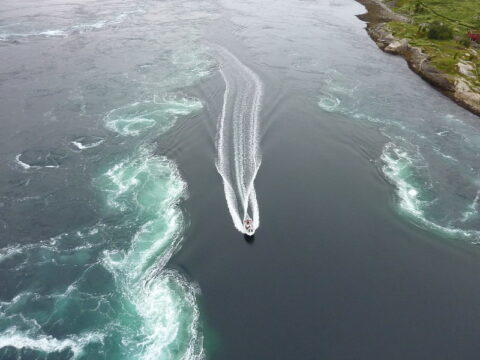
{"x":457,"y":88}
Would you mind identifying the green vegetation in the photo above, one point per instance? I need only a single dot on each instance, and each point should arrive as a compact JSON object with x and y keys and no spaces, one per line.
{"x":440,"y":28}
{"x":437,"y":30}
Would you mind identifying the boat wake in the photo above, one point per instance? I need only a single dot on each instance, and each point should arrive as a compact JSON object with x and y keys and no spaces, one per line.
{"x":238,"y":153}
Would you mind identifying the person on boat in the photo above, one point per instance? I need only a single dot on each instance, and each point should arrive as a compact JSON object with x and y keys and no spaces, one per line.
{"x":248,"y":224}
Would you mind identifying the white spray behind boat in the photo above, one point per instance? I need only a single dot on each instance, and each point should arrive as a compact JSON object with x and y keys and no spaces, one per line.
{"x":238,"y":143}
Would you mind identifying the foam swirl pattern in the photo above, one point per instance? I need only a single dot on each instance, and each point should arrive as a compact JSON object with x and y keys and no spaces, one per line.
{"x":433,"y":165}
{"x":123,"y":303}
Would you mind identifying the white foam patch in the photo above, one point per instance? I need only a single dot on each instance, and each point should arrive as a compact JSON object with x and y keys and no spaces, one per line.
{"x":9,"y":252}
{"x":472,"y":209}
{"x":192,"y":62}
{"x":135,"y":119}
{"x":238,"y":143}
{"x":21,"y":163}
{"x":83,"y":143}
{"x":27,"y":166}
{"x":398,"y":168}
{"x":14,"y":31}
{"x":169,"y":314}
{"x":48,"y":344}
{"x":329,"y":103}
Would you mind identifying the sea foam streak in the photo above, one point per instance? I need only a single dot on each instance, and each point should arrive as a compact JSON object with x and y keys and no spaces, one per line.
{"x":18,"y":31}
{"x":48,"y":344}
{"x":238,"y":153}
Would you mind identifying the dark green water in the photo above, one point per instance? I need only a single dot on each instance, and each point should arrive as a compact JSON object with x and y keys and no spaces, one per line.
{"x":117,"y":192}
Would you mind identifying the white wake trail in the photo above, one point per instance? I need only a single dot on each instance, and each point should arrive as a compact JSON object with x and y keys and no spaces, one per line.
{"x":238,"y":150}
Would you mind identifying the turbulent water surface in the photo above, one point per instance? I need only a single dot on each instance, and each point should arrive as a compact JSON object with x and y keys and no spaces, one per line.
{"x":132,"y":135}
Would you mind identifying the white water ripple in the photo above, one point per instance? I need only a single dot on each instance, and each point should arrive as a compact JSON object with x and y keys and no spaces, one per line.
{"x":20,"y":30}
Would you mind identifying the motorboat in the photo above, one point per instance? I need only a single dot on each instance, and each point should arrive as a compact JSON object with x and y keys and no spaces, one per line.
{"x":248,"y":225}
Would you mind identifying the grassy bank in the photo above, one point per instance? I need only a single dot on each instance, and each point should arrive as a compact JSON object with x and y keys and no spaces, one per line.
{"x":439,"y":28}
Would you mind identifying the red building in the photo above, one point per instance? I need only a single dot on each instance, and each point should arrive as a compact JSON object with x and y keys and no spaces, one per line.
{"x":473,"y":37}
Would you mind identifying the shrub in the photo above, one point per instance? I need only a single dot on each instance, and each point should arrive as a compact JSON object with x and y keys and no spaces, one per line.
{"x":465,"y":41}
{"x":439,"y":31}
{"x":418,"y":7}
